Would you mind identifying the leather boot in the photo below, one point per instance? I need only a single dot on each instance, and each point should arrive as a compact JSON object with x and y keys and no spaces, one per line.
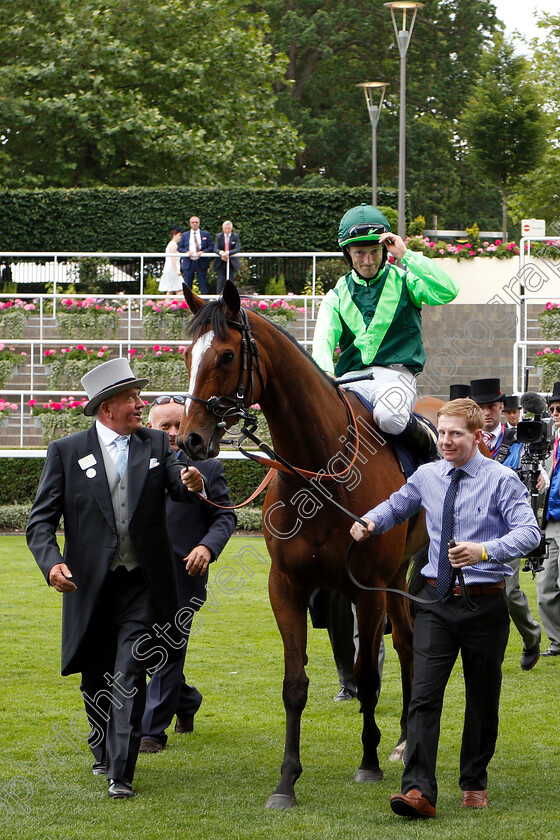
{"x":420,"y":440}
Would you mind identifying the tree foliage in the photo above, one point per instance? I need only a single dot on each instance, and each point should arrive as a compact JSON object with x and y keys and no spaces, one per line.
{"x":503,"y":122}
{"x":537,"y":194}
{"x":332,"y":46}
{"x":124,"y":93}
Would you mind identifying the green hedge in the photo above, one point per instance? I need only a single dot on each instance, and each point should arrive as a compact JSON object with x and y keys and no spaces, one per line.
{"x":14,"y":518}
{"x":138,"y":219}
{"x":19,"y":478}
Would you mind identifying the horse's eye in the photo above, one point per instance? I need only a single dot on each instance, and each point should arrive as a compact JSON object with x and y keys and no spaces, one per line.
{"x":227,"y":357}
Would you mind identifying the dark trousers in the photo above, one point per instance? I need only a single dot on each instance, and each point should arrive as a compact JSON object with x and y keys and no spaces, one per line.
{"x":200,"y":268}
{"x":113,"y":677}
{"x":441,"y":631}
{"x":168,"y":694}
{"x":221,"y":272}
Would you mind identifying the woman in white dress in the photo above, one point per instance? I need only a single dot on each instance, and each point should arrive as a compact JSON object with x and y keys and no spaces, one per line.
{"x":171,"y":280}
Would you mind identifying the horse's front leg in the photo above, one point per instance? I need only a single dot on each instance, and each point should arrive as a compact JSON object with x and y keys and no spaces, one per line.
{"x":289,"y":604}
{"x":370,"y":611}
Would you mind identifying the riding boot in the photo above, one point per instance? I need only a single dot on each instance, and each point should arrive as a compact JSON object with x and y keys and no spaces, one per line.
{"x":420,"y":440}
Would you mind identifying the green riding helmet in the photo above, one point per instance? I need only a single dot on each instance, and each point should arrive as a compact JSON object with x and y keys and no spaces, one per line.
{"x":364,"y":223}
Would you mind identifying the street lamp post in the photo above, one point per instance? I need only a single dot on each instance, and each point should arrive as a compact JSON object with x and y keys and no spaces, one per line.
{"x":403,"y":40}
{"x":374,"y":93}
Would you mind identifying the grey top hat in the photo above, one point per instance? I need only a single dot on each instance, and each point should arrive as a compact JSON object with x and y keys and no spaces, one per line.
{"x":106,"y":380}
{"x":458,"y":391}
{"x":486,"y":391}
{"x":511,"y":403}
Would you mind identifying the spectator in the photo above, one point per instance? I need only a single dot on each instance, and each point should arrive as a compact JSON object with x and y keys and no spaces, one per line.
{"x":478,"y":516}
{"x":196,"y":243}
{"x":116,"y":573}
{"x":227,"y":245}
{"x":548,"y":581}
{"x":198,"y":536}
{"x":512,"y":411}
{"x":171,"y":280}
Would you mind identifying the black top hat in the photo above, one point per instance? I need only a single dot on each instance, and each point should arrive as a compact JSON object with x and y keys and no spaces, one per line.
{"x":511,"y":403}
{"x":555,"y":396}
{"x":486,"y":391}
{"x":459,"y":391}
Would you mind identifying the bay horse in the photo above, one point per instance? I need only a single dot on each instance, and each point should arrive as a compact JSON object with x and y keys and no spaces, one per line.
{"x":239,"y":358}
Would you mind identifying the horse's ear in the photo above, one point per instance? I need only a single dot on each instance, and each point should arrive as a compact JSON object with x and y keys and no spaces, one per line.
{"x":231,"y":297}
{"x":194,"y":302}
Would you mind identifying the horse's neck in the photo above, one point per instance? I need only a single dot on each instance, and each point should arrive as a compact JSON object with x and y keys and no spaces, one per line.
{"x":305,"y":415}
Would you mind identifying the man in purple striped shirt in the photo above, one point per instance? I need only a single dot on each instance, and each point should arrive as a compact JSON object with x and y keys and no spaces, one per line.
{"x":492,"y":522}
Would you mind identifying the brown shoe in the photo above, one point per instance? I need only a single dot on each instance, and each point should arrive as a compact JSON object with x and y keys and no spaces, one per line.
{"x":475,"y":799}
{"x":412,"y":804}
{"x":184,"y":724}
{"x":150,"y":745}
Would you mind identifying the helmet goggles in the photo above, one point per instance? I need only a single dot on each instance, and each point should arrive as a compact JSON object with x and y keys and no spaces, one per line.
{"x":361,"y":232}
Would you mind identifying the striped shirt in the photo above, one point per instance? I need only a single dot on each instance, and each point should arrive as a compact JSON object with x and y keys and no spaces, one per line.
{"x":491,"y":508}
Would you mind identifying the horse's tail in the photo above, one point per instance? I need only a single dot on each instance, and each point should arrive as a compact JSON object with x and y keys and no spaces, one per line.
{"x":415,"y":579}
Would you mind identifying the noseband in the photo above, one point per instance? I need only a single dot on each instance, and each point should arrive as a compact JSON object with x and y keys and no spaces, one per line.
{"x":224,"y":408}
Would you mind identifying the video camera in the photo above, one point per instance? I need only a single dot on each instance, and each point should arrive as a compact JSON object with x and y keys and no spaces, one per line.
{"x":538,"y":437}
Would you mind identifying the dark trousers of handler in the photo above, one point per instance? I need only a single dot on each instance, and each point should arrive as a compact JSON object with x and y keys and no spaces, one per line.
{"x":441,"y":631}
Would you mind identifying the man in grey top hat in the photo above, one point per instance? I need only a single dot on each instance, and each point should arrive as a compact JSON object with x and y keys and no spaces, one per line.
{"x":116,"y":572}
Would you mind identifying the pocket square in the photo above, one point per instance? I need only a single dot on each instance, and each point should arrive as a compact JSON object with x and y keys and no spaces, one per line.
{"x":153,"y":463}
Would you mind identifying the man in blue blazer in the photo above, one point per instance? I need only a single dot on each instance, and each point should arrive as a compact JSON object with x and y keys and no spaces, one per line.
{"x":227,"y":245}
{"x":195,"y":243}
{"x":116,"y":572}
{"x":198,"y":535}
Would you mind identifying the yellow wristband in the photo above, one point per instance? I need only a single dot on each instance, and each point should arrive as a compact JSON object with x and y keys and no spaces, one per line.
{"x":484,"y":554}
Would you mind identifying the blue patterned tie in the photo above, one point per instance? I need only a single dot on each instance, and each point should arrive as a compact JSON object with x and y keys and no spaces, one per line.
{"x":121,"y":442}
{"x":445,"y":569}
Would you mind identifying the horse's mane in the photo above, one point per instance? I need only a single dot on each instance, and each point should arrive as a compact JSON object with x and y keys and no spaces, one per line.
{"x":212,"y":315}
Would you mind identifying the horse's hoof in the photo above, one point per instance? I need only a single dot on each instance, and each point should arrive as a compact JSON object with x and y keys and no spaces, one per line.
{"x":398,"y":753}
{"x":368,"y":775}
{"x":279,"y":802}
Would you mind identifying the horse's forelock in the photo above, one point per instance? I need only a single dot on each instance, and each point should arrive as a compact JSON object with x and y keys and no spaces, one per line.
{"x":211,"y":315}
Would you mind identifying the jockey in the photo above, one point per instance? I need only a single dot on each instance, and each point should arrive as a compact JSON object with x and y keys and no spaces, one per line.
{"x":374,"y":315}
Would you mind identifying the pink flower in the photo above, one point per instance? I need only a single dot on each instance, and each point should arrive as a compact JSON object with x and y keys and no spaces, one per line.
{"x":262,"y":305}
{"x":31,"y":403}
{"x":547,"y":350}
{"x":100,"y":354}
{"x":132,"y":351}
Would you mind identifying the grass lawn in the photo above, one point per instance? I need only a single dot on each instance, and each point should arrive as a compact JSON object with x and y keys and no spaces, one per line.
{"x":214,"y":783}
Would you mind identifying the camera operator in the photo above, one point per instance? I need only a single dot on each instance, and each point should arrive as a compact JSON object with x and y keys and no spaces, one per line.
{"x":548,"y":581}
{"x":502,"y":443}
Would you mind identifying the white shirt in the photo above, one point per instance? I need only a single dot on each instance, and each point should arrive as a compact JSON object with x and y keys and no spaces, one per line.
{"x":108,"y":437}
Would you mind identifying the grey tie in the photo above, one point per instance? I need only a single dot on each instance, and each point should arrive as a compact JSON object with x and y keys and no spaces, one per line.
{"x":121,"y":442}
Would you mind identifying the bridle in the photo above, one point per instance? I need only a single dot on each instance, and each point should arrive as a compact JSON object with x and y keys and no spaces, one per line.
{"x":225,"y":408}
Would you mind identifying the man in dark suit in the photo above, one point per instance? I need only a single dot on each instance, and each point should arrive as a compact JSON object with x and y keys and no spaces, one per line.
{"x":198,"y":535}
{"x":227,"y":245}
{"x":195,"y":243}
{"x":116,"y":573}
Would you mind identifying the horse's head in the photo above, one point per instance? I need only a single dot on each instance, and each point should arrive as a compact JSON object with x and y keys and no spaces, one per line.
{"x":224,"y":371}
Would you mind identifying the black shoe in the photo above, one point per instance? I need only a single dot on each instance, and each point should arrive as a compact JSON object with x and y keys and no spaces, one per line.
{"x":184,"y":724}
{"x":119,"y":790}
{"x":550,"y":652}
{"x":530,"y":656}
{"x":99,"y":768}
{"x":344,"y":694}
